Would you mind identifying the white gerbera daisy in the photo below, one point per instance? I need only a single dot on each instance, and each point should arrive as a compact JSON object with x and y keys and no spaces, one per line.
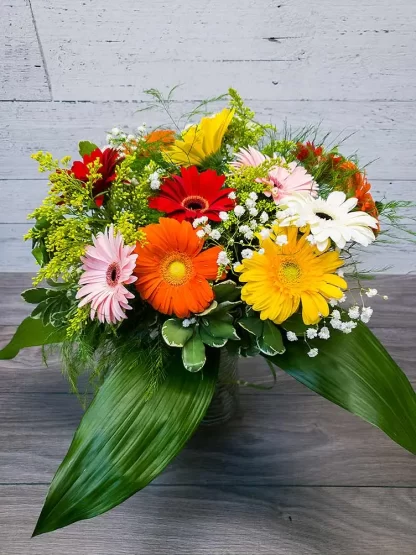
{"x":330,"y":218}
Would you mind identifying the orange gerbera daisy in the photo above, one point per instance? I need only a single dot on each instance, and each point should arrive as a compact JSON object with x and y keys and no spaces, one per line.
{"x":162,"y":138}
{"x":157,"y":140}
{"x":172,"y":271}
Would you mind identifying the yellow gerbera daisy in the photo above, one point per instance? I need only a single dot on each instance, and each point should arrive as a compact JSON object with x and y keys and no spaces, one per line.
{"x":286,"y":275}
{"x":200,"y":140}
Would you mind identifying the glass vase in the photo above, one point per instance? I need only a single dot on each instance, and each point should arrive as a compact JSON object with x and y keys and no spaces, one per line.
{"x":225,"y":402}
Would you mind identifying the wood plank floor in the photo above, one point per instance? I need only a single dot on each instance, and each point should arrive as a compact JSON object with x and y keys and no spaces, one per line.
{"x":291,"y":475}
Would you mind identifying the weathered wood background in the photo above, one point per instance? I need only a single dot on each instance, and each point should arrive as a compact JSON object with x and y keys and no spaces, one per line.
{"x":70,"y":70}
{"x":293,"y":475}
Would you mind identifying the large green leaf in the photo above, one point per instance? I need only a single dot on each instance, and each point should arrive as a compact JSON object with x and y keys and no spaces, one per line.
{"x":357,"y":373}
{"x":85,"y":147}
{"x":31,"y":333}
{"x":124,"y":441}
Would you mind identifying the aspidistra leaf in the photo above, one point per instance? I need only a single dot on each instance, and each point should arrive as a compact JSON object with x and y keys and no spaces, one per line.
{"x":125,"y":439}
{"x":356,"y":372}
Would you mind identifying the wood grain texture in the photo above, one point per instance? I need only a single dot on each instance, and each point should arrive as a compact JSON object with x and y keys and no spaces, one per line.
{"x":22,"y":71}
{"x":292,"y":475}
{"x":382,"y":131}
{"x":15,"y":377}
{"x":106,"y":61}
{"x":276,"y":440}
{"x":223,"y":521}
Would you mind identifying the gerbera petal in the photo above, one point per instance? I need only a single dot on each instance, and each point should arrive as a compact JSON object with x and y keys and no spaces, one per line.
{"x":193,"y":194}
{"x":172,"y":275}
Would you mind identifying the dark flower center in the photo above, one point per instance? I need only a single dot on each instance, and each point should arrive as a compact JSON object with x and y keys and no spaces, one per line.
{"x":113,"y":274}
{"x":195,"y":203}
{"x":323,"y":216}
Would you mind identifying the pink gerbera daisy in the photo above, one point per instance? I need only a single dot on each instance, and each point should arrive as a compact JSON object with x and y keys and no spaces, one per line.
{"x":108,"y":267}
{"x":249,"y":156}
{"x":284,"y":181}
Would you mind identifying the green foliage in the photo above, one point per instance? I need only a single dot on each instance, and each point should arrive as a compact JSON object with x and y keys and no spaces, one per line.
{"x":55,"y":307}
{"x":226,"y":290}
{"x":129,"y":199}
{"x":175,"y":334}
{"x":31,"y":333}
{"x":193,"y":353}
{"x":244,"y":130}
{"x":85,"y":147}
{"x":271,"y":342}
{"x":295,"y":324}
{"x":124,"y":440}
{"x":355,"y":372}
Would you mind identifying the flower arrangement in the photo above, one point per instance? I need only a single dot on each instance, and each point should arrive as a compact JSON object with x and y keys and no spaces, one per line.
{"x":164,"y":249}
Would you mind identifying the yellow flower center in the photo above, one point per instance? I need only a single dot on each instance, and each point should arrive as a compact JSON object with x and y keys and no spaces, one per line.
{"x":176,"y":268}
{"x":289,"y":272}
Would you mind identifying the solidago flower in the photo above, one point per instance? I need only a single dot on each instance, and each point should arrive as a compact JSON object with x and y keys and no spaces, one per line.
{"x":173,"y":270}
{"x":108,"y":160}
{"x":289,"y":275}
{"x":201,"y":140}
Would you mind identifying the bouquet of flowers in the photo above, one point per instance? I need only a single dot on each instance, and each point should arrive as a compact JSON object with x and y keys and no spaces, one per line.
{"x":166,"y":253}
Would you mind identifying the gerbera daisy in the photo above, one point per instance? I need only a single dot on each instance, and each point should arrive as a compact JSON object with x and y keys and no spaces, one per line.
{"x":109,"y":158}
{"x":156,"y":141}
{"x":161,"y":136}
{"x":200,"y":141}
{"x":331,"y":218}
{"x":172,"y":271}
{"x":108,"y":267}
{"x":193,"y":194}
{"x":308,"y":150}
{"x":249,"y":156}
{"x":288,"y":275}
{"x":288,"y":179}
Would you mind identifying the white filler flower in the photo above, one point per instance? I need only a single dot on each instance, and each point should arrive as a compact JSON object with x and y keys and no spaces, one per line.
{"x":330,"y":218}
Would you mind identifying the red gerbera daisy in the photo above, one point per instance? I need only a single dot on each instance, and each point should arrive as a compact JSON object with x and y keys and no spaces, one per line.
{"x":109,"y":159}
{"x":308,"y":150}
{"x":193,"y":194}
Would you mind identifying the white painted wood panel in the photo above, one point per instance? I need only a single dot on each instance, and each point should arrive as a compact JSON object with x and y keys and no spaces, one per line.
{"x":22,"y":75}
{"x":97,"y":52}
{"x":384,"y":131}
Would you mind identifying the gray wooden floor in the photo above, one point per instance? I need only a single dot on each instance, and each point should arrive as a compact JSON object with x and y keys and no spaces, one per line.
{"x":292,"y":475}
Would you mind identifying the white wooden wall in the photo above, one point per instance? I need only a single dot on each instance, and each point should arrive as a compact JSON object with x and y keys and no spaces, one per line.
{"x":71,"y":69}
